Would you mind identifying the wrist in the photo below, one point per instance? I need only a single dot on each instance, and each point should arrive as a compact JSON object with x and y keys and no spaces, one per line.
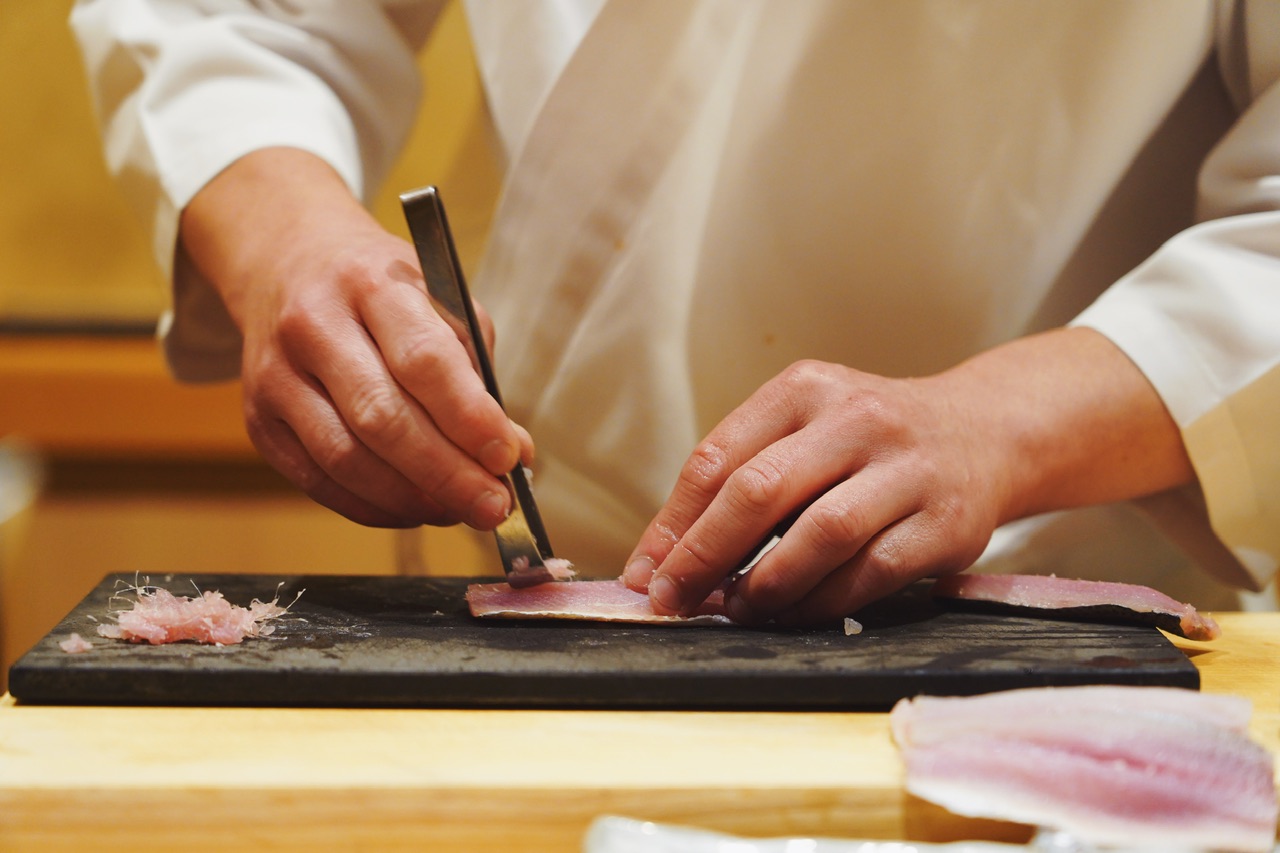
{"x":1065,"y":419}
{"x":259,"y":213}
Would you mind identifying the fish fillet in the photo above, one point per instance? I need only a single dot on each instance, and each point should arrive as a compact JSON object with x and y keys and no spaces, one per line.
{"x":1071,"y":598}
{"x":1147,"y":767}
{"x":595,"y":601}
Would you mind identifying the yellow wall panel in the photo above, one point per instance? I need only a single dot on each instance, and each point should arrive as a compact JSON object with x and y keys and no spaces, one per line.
{"x":69,"y":247}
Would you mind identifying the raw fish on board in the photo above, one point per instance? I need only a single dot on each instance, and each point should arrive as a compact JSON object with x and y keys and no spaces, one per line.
{"x":1070,"y":598}
{"x":596,"y":601}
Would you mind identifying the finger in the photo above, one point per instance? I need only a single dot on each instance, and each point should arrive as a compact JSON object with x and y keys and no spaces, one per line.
{"x":280,"y":447}
{"x":328,"y":464}
{"x":487,"y":330}
{"x":382,"y":417}
{"x":825,"y":537}
{"x":526,"y":445}
{"x":426,"y":355}
{"x":900,"y":554}
{"x":746,"y":431}
{"x":787,"y":474}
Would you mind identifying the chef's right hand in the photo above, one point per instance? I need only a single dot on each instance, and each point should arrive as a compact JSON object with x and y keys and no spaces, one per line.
{"x":354,"y":388}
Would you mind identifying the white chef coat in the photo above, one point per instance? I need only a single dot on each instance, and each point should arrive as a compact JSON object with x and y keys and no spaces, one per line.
{"x":701,"y":192}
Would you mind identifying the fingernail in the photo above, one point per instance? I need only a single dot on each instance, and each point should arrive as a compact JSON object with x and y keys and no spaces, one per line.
{"x":639,"y":572}
{"x":499,"y":457}
{"x":488,"y":512}
{"x":664,"y":591}
{"x":740,"y":611}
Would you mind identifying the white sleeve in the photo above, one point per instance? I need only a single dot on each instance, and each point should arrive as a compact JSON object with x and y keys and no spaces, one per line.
{"x":1201,"y":318}
{"x":183,"y":89}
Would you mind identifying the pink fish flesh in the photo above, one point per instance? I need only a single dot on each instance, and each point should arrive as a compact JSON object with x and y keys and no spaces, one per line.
{"x":595,"y":601}
{"x":552,"y":569}
{"x":1081,"y":599}
{"x":1152,"y":767}
{"x":158,"y":616}
{"x":75,"y":644}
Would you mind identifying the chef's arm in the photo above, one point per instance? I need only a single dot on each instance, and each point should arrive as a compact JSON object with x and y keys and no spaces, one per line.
{"x":354,"y":387}
{"x":1175,"y":369}
{"x":263,"y":127}
{"x":902,"y":478}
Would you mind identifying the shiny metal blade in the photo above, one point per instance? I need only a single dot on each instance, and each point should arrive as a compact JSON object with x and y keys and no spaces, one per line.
{"x":522,"y":539}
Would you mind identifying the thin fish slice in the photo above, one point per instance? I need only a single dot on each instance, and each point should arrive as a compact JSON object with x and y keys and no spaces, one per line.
{"x":1137,"y":766}
{"x":937,"y":718}
{"x":1068,"y":598}
{"x":594,"y":601}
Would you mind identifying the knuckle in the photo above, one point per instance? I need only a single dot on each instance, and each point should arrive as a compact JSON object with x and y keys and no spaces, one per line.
{"x":806,"y":370}
{"x":469,"y":421}
{"x":378,"y":415}
{"x":757,"y":486}
{"x":869,"y":406}
{"x":700,"y":555}
{"x":833,"y":527}
{"x":265,"y":371}
{"x":908,"y":552}
{"x":808,"y":374}
{"x":350,"y":267}
{"x":706,"y":468}
{"x":297,"y":322}
{"x":887,"y":557}
{"x":336,"y":456}
{"x":413,"y":354}
{"x":876,"y":575}
{"x":944,"y":515}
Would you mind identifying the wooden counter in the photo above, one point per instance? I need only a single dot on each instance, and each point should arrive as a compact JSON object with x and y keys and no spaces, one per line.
{"x":111,"y":397}
{"x":205,"y":779}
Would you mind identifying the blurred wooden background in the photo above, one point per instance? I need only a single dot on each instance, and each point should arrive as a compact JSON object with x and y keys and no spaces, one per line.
{"x":136,"y":473}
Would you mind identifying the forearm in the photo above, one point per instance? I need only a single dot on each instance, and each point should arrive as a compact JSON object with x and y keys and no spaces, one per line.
{"x":266,"y":209}
{"x":897,"y":479}
{"x":1068,"y":420}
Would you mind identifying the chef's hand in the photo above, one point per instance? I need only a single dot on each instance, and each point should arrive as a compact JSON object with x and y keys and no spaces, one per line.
{"x":900,"y":479}
{"x":354,"y":388}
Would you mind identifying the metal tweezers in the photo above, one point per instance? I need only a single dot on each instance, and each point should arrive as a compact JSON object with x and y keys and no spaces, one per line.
{"x":522,"y":539}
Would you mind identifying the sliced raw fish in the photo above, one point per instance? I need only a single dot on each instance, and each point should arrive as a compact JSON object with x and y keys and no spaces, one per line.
{"x":937,"y":716}
{"x":1158,"y":768}
{"x":596,"y":601}
{"x":1068,"y":598}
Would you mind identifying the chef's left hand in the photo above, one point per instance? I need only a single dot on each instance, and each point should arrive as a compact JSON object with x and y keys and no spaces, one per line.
{"x":900,"y":479}
{"x":896,"y":483}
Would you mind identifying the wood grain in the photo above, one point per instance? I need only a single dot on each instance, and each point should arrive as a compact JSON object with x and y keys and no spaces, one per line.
{"x":74,"y":778}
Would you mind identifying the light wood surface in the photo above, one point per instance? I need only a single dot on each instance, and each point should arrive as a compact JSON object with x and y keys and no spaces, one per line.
{"x":77,"y":778}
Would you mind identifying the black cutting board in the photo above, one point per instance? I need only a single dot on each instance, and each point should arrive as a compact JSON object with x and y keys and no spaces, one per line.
{"x":364,"y":641}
